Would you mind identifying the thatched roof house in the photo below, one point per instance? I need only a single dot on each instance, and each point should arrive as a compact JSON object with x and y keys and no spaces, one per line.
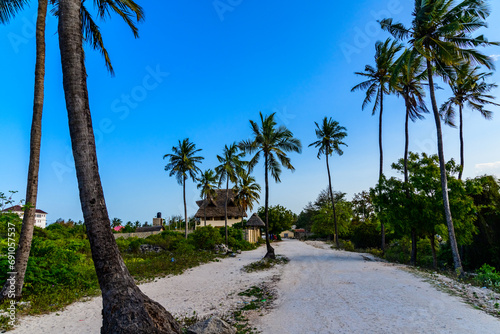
{"x":255,"y":221}
{"x":215,"y":209}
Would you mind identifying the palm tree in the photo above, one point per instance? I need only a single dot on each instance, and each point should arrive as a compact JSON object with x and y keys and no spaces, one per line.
{"x":407,"y":81}
{"x":272,"y":142}
{"x":468,"y":85}
{"x":125,"y":308}
{"x":247,"y":192}
{"x":441,"y":32}
{"x":330,"y":135}
{"x":231,"y":166}
{"x":376,"y":86}
{"x":7,"y":10}
{"x":207,"y":184}
{"x":92,"y":35}
{"x":183,"y":165}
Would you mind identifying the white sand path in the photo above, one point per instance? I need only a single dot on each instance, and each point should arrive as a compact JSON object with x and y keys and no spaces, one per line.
{"x":328,"y":291}
{"x":320,"y":291}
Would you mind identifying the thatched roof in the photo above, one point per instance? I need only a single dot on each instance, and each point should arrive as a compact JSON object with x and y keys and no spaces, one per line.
{"x":255,"y":221}
{"x":215,"y":206}
{"x":149,"y":229}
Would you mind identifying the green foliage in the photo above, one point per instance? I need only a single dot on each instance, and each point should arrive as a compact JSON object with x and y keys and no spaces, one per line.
{"x":280,"y":218}
{"x":236,"y":239}
{"x":205,"y":237}
{"x":265,"y":264}
{"x":488,"y":276}
{"x":323,"y":219}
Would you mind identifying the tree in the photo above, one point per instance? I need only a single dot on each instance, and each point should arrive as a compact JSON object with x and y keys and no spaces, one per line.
{"x":8,"y":9}
{"x":376,"y":86}
{"x":322,"y":223}
{"x":116,"y":222}
{"x":247,"y":192}
{"x":207,"y":185}
{"x":408,"y":75}
{"x":468,"y":87}
{"x":231,"y":166}
{"x":183,"y":165}
{"x":330,"y":135}
{"x":272,"y":142}
{"x":441,"y":32}
{"x":125,"y":308}
{"x":280,"y":218}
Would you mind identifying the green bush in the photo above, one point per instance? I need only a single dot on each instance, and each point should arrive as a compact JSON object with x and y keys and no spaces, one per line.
{"x":488,"y":276}
{"x":205,"y":237}
{"x":399,"y":251}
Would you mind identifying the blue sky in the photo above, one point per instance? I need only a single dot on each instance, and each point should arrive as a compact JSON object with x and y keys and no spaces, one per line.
{"x":203,"y":70}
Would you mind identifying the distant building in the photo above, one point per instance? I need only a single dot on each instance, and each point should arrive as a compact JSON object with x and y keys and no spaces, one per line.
{"x":40,"y":216}
{"x":252,"y":230}
{"x":215,"y":210}
{"x":156,"y":229}
{"x":287,"y":234}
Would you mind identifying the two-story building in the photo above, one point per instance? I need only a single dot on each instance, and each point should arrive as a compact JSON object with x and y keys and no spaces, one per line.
{"x":40,"y":215}
{"x":213,"y":208}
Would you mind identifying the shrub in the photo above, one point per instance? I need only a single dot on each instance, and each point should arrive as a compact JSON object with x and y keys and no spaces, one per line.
{"x":205,"y":237}
{"x":488,"y":276}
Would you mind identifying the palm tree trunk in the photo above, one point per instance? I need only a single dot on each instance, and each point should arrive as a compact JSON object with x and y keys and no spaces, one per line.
{"x":225,"y":210}
{"x":185,"y":208}
{"x":270,"y":250}
{"x":413,"y":257}
{"x":23,"y":250}
{"x":381,"y":167}
{"x":444,"y":181}
{"x":125,"y":308}
{"x":433,"y":248}
{"x":462,"y":159}
{"x":333,"y":203}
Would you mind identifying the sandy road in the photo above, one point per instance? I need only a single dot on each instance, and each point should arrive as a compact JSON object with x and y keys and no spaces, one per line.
{"x":327,"y":291}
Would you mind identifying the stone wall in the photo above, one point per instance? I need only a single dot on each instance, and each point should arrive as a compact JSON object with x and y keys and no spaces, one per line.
{"x":136,"y":234}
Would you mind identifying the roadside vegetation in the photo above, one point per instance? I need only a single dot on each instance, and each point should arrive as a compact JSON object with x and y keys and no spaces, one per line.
{"x":265,"y":264}
{"x":61,"y":271}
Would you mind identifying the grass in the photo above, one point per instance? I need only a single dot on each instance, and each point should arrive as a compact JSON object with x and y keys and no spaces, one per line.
{"x":265,"y":264}
{"x":259,"y":297}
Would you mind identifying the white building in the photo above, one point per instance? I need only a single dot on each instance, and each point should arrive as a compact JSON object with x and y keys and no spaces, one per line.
{"x":40,"y":216}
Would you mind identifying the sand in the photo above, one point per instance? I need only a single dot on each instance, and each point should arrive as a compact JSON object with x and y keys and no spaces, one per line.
{"x":320,"y":291}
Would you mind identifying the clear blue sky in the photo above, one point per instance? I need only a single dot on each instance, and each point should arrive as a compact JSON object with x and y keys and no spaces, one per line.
{"x":202,"y":72}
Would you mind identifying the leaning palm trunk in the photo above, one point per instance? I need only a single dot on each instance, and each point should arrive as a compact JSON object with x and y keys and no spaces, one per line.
{"x":270,"y":250}
{"x":381,"y":167}
{"x":225,"y":211}
{"x":125,"y":308}
{"x":185,"y":208}
{"x":23,"y":250}
{"x":333,"y":203}
{"x":444,"y":181}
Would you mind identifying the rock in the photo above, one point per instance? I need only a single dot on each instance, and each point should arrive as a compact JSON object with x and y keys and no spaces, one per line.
{"x":146,"y":248}
{"x":231,"y":254}
{"x":238,"y":251}
{"x":213,"y":325}
{"x":223,"y":249}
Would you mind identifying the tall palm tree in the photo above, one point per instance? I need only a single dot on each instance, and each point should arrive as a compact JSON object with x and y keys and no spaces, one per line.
{"x":91,"y":35}
{"x":125,"y":308}
{"x":407,"y":80}
{"x":330,"y":135}
{"x":273,"y":143}
{"x":376,"y":86}
{"x":469,"y":87}
{"x":7,"y":10}
{"x":207,"y":185}
{"x":183,"y":165}
{"x":247,"y":192}
{"x":231,"y":166}
{"x":441,"y":32}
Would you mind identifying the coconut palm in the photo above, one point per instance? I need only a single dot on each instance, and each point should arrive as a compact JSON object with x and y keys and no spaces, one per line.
{"x":231,"y":166}
{"x":183,"y":165}
{"x":330,"y":135}
{"x":125,"y":308}
{"x":376,"y":86}
{"x":207,"y":185}
{"x":273,"y":143}
{"x":469,"y":87}
{"x":441,"y":32}
{"x":247,"y":192}
{"x":408,"y":76}
{"x":92,"y":35}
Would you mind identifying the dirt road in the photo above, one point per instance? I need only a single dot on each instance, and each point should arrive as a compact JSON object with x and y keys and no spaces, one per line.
{"x":320,"y":291}
{"x":327,"y":291}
